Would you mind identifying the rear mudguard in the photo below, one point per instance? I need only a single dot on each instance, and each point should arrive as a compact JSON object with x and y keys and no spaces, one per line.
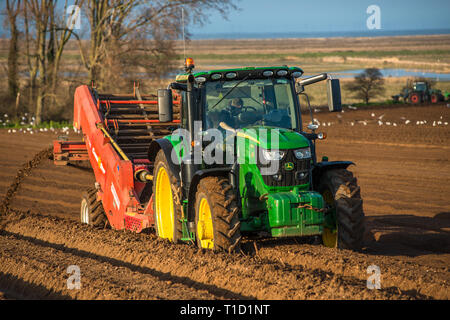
{"x":320,"y":167}
{"x":166,"y":146}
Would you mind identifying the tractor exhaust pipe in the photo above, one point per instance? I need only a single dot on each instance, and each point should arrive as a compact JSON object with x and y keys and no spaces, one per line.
{"x":313,"y":79}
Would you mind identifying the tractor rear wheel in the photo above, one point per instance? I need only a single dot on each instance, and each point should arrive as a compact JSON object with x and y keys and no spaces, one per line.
{"x":344,"y":222}
{"x":92,"y":212}
{"x":434,"y":98}
{"x":217,"y":222}
{"x":414,"y":98}
{"x":166,"y":208}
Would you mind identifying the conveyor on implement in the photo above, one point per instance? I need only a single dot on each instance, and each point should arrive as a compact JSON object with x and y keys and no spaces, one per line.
{"x":117,"y":132}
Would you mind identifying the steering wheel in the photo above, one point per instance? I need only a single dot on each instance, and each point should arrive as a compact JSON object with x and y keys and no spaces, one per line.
{"x":247,"y":107}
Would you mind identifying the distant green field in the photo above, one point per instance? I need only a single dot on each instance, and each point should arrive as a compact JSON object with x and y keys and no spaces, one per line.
{"x":369,"y":54}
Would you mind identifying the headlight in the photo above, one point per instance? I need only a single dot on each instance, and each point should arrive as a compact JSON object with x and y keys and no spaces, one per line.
{"x":273,"y":154}
{"x":304,"y":153}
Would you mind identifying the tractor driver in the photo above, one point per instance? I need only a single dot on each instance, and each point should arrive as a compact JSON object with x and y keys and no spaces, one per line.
{"x":228,"y":115}
{"x":235,"y":107}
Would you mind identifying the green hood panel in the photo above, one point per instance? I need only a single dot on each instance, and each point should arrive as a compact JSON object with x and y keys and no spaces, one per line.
{"x":274,"y":138}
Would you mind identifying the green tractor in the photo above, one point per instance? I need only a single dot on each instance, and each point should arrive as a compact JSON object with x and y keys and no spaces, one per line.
{"x":419,"y":92}
{"x":241,"y":164}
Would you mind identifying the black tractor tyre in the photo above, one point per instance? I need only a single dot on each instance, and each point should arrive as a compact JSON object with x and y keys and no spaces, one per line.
{"x":221,"y":200}
{"x":92,"y":212}
{"x":161,"y":161}
{"x":346,"y":198}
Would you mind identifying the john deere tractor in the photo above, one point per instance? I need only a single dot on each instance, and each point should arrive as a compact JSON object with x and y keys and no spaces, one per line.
{"x":242,"y":163}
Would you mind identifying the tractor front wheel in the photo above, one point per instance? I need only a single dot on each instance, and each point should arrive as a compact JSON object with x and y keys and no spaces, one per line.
{"x":217,"y":222}
{"x":92,"y":212}
{"x":166,"y":208}
{"x":344,"y":221}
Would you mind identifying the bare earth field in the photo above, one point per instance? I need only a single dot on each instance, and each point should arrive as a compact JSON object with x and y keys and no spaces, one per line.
{"x":403,"y":171}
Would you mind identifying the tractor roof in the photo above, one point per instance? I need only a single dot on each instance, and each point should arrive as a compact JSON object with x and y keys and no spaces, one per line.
{"x":241,"y":73}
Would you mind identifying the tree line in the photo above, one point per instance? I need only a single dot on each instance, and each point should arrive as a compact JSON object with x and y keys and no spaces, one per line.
{"x":124,"y":37}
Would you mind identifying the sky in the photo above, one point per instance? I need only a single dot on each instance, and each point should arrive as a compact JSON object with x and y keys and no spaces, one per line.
{"x":277,"y":16}
{"x":306,"y":16}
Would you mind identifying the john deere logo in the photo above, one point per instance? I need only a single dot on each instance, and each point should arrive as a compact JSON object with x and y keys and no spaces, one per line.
{"x":288,"y":166}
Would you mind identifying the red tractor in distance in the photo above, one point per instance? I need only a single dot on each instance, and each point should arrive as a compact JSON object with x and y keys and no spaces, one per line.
{"x":419,"y":92}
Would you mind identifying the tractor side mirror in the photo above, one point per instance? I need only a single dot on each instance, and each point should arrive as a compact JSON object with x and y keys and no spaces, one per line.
{"x":334,"y":95}
{"x":165,"y":105}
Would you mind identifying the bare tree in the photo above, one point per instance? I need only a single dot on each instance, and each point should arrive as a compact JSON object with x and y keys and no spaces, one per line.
{"x":367,"y":85}
{"x":127,"y":38}
{"x":13,"y":8}
{"x":45,"y":37}
{"x":136,"y":36}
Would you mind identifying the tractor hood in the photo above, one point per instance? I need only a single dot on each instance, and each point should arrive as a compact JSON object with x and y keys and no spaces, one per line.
{"x":274,"y":138}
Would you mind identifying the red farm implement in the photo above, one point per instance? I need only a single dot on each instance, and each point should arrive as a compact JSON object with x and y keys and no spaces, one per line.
{"x":117,"y":131}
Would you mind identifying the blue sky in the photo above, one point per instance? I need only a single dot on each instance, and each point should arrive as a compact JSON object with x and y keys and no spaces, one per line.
{"x":304,"y":16}
{"x":277,"y":16}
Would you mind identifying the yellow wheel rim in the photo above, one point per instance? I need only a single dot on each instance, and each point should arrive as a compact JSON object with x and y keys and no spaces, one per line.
{"x":205,"y":231}
{"x":329,"y":237}
{"x":164,"y":205}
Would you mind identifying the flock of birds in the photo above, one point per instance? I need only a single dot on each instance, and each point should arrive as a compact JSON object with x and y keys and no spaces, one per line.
{"x":28,"y":125}
{"x":374,"y":119}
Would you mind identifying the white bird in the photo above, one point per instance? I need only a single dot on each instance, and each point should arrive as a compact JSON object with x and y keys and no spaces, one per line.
{"x":434,"y":123}
{"x":394,"y":124}
{"x":352,"y":123}
{"x":381,"y":117}
{"x":407,"y":121}
{"x":329,"y":124}
{"x":380,"y":123}
{"x":446,"y":123}
{"x":439,"y":122}
{"x":373,"y":114}
{"x":388,"y":123}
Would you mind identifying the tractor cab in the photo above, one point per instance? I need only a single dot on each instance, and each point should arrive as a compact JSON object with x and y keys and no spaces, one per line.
{"x":420,"y":86}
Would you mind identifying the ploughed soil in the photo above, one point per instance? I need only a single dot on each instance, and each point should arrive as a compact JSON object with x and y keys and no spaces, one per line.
{"x":403,"y":171}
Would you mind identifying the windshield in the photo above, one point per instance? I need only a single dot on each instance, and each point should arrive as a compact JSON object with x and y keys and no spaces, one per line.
{"x":244,"y":103}
{"x":420,"y":86}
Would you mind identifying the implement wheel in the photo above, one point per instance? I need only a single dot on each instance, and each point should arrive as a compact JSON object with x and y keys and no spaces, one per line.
{"x":217,"y":222}
{"x":166,"y":208}
{"x":344,"y":222}
{"x":92,"y":212}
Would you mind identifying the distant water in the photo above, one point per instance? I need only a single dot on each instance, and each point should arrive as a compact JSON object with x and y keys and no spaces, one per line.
{"x":395,"y":73}
{"x":332,"y":34}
